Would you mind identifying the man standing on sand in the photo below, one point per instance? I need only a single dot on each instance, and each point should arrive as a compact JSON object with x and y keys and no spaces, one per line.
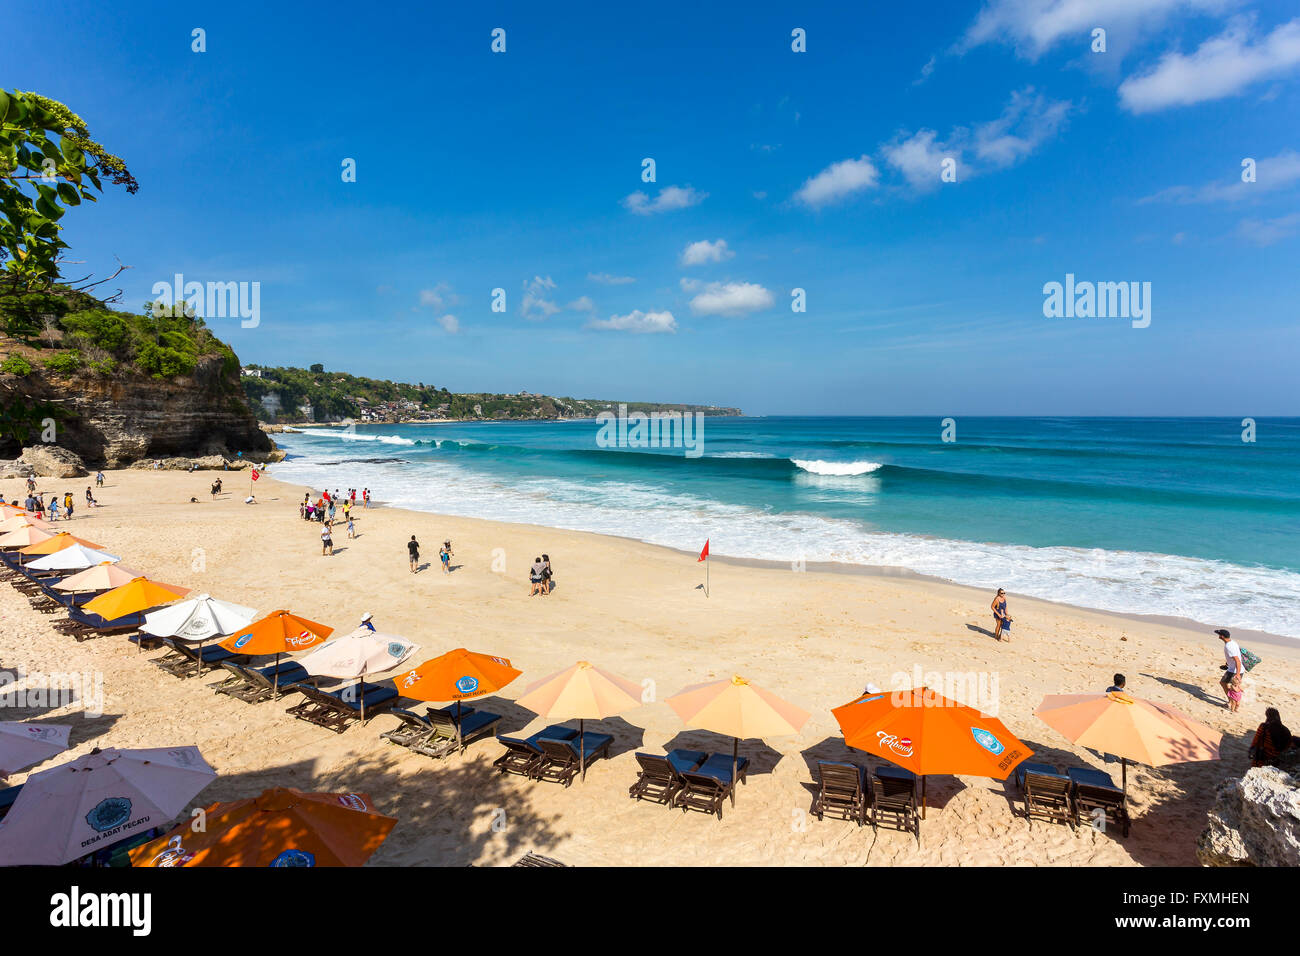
{"x":1233,"y":670}
{"x":413,"y":548}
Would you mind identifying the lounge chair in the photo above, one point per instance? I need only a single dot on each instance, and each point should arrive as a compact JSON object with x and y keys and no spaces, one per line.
{"x":893,"y":794}
{"x":437,"y":734}
{"x":660,"y":778}
{"x":522,"y":755}
{"x":706,"y":787}
{"x":564,"y":759}
{"x":336,"y":710}
{"x":253,"y":685}
{"x":7,"y":797}
{"x":82,"y":624}
{"x":1047,"y":792}
{"x":533,"y":859}
{"x":190,"y":660}
{"x":1094,"y":790}
{"x":843,"y":790}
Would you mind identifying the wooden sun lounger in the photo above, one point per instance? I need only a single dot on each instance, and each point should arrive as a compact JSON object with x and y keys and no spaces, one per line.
{"x":1047,"y":793}
{"x":710,"y":784}
{"x":1095,"y":790}
{"x":253,"y":685}
{"x":660,"y":778}
{"x":843,"y":790}
{"x":338,"y":709}
{"x":522,"y":755}
{"x":562,"y":760}
{"x":533,"y":859}
{"x":190,"y":660}
{"x":893,"y":794}
{"x":435,"y":735}
{"x":83,"y":625}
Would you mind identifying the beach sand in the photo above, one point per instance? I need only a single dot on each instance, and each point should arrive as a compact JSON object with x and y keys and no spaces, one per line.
{"x":814,"y":638}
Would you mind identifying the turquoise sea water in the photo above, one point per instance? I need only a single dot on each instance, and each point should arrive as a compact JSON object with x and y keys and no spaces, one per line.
{"x":1160,"y":516}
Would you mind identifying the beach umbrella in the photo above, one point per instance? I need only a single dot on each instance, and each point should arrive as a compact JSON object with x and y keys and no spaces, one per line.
{"x":24,"y":537}
{"x":356,"y":654}
{"x":280,"y":632}
{"x":198,"y":618}
{"x":1129,"y":728}
{"x":102,"y":577}
{"x":76,"y":808}
{"x":22,"y":745}
{"x":456,"y":675}
{"x":282,"y":827}
{"x":57,"y":542}
{"x":138,"y":594}
{"x":23,"y":520}
{"x":736,"y":708}
{"x":77,"y":557}
{"x":582,"y":692}
{"x":922,"y":731}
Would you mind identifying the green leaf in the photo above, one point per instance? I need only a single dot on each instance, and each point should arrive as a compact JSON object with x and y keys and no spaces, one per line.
{"x":68,"y":193}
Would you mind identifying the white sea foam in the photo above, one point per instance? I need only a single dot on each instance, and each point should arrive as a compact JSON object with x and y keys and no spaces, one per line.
{"x":356,"y":436}
{"x":1213,"y":592}
{"x":838,"y":467}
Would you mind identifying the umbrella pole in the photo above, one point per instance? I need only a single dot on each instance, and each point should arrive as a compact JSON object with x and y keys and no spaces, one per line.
{"x":582,"y":749}
{"x":923,"y":798}
{"x":1123,"y":770}
{"x":460,"y":739}
{"x":735,"y":765}
{"x":276,"y":690}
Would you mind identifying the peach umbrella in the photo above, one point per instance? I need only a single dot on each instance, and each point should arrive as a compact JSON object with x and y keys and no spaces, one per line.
{"x":457,"y":675}
{"x":581,"y":692}
{"x":102,"y":577}
{"x":24,"y":537}
{"x":282,"y":827}
{"x":1129,"y":728}
{"x":58,"y":542}
{"x":23,"y":520}
{"x":138,"y":594}
{"x":280,"y":632}
{"x":737,"y":708}
{"x":922,"y":731}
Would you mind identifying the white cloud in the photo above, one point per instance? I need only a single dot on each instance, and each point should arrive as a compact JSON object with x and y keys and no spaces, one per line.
{"x":1222,"y":66}
{"x":637,"y":321}
{"x":1028,"y":121}
{"x":450,"y":323}
{"x":727,"y":298}
{"x":702,"y":252}
{"x":535,"y":304}
{"x":669,"y":198}
{"x":604,"y":278}
{"x":1034,"y":26}
{"x":919,"y":157}
{"x":1265,"y":232}
{"x":437,"y":298}
{"x":581,"y":304}
{"x":837,"y":182}
{"x":1271,"y":173}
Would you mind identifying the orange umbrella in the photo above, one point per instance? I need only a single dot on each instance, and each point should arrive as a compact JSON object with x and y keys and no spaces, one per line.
{"x":1131,"y":729}
{"x":737,"y":708}
{"x":581,"y":692}
{"x":924,"y":732}
{"x":102,"y":577}
{"x":457,"y":675}
{"x":280,"y":632}
{"x":282,"y":827}
{"x":58,"y":542}
{"x":138,"y":594}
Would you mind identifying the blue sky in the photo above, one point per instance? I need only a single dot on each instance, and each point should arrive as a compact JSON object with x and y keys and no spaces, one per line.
{"x":816,"y":170}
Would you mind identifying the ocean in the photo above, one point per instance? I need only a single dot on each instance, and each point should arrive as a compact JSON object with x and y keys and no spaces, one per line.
{"x":1169,"y":516}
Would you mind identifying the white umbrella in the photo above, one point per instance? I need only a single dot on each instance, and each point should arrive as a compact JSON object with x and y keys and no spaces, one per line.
{"x":198,"y":618}
{"x":76,"y":808}
{"x":22,"y":745}
{"x":357,"y":654}
{"x":78,"y":557}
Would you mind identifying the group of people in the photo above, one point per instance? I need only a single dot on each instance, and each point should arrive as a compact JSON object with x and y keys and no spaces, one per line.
{"x":36,"y":505}
{"x":444,"y":555}
{"x":325,"y":508}
{"x":541,"y":576}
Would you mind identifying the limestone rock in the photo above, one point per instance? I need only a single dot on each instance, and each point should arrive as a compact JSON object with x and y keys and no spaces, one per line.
{"x":1255,"y":821}
{"x":51,"y":461}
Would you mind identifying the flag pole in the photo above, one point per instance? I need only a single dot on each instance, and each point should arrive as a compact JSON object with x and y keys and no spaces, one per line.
{"x":706,"y":576}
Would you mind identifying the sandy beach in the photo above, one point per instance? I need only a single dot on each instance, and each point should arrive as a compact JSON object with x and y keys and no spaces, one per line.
{"x":813,"y":637}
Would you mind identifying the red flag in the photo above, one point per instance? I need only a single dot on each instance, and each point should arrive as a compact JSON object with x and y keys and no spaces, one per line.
{"x":255,"y":474}
{"x":705,"y":553}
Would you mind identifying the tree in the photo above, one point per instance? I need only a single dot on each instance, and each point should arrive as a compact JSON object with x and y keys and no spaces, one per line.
{"x":48,"y":162}
{"x":318,"y":368}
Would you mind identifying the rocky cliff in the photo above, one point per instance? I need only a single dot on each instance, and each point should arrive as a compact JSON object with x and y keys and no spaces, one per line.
{"x":1255,"y":821}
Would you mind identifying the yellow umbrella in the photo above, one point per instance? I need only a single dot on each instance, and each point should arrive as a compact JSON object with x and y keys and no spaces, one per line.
{"x":1129,"y":728}
{"x":581,"y":692}
{"x":737,"y":708}
{"x":58,"y":542}
{"x":138,"y":594}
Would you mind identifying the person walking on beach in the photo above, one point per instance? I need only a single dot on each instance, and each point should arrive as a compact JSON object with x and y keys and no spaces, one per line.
{"x":352,"y":532}
{"x":1233,"y":670}
{"x":547,"y":574}
{"x":54,"y":507}
{"x":444,"y":555}
{"x":365,"y":498}
{"x":326,"y":540}
{"x":1272,"y":739}
{"x":99,"y":479}
{"x":1001,"y":622}
{"x":535,"y":576}
{"x":413,"y":550}
{"x":67,"y":505}
{"x":367,"y":622}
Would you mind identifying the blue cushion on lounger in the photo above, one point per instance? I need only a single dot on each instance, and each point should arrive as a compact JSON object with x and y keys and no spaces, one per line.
{"x":591,"y":742}
{"x":1046,"y":770}
{"x":897,"y":773}
{"x":718,"y":766}
{"x":554,"y":732}
{"x":683,"y":760}
{"x":469,"y":723}
{"x":290,"y":672}
{"x":215,"y":654}
{"x":1091,"y":777}
{"x":373,"y":694}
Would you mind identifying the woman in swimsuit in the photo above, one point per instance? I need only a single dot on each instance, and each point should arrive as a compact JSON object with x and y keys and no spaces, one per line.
{"x":1000,"y":620}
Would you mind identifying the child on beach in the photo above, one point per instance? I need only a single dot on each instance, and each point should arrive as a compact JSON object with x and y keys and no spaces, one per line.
{"x":444,"y":555}
{"x":1000,"y":620}
{"x":413,"y":549}
{"x":326,"y":541}
{"x":352,"y":532}
{"x":54,"y":507}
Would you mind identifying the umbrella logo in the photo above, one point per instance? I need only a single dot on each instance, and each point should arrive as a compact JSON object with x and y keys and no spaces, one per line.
{"x":243,"y":639}
{"x":109,"y":813}
{"x":410,"y":679}
{"x":467,"y":684}
{"x":174,"y":855}
{"x":987,"y":741}
{"x":294,"y":858}
{"x":353,"y":801}
{"x":396,"y":650}
{"x":899,"y":745}
{"x":305,"y":638}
